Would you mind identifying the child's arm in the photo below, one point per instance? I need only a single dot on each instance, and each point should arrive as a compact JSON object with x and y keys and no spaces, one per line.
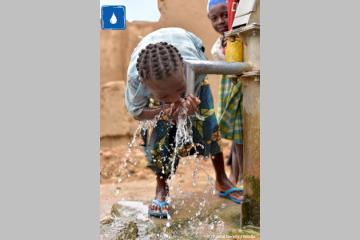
{"x":148,"y":114}
{"x":190,"y":103}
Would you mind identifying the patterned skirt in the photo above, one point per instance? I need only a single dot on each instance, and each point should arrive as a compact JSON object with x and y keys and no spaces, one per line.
{"x":230,"y":110}
{"x":159,"y":142}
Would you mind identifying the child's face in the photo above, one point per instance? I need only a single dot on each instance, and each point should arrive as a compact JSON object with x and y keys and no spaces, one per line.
{"x":218,"y":16}
{"x":168,"y":90}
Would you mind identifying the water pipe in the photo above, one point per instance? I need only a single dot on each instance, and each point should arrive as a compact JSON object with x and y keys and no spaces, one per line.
{"x":218,"y":67}
{"x":211,"y":67}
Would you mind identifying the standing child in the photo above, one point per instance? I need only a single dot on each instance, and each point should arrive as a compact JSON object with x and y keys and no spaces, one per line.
{"x":156,"y":74}
{"x":230,"y":97}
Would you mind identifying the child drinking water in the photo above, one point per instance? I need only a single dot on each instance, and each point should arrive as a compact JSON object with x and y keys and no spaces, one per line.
{"x":230,"y":97}
{"x":156,"y":85}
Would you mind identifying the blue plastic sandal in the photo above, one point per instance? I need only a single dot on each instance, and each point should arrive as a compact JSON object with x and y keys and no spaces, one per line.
{"x":226,"y":194}
{"x":159,"y":214}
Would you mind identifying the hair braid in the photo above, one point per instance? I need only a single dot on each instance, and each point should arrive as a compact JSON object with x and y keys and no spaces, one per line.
{"x":158,"y":61}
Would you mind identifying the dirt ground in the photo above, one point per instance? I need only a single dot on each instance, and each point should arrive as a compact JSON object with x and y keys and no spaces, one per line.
{"x":117,"y":185}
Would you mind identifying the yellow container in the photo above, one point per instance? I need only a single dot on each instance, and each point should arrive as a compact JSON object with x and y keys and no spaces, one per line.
{"x":234,"y":51}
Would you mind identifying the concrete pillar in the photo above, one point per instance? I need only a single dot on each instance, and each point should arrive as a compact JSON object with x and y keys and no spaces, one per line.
{"x":251,"y":136}
{"x":250,"y":35}
{"x":251,"y":125}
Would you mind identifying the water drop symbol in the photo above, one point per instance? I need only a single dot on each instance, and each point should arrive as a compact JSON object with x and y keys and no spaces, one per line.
{"x":113,"y":19}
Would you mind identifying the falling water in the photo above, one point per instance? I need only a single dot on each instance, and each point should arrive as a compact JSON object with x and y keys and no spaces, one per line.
{"x":195,"y":226}
{"x":199,"y":222}
{"x":128,"y":160}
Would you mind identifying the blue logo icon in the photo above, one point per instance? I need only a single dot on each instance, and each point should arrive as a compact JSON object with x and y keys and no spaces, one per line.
{"x":113,"y":17}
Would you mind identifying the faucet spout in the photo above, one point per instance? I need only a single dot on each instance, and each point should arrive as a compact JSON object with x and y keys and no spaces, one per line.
{"x":218,"y":67}
{"x":211,"y":67}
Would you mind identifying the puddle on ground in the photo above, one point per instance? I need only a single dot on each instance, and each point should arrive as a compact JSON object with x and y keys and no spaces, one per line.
{"x":220,"y":219}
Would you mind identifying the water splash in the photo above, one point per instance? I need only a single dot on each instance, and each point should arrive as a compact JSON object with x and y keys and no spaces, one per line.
{"x":128,"y":218}
{"x":197,"y":224}
{"x":124,"y":171}
{"x":212,"y":227}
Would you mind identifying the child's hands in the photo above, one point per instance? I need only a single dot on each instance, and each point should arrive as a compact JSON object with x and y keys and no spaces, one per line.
{"x":168,"y":110}
{"x":190,"y":104}
{"x":172,"y":110}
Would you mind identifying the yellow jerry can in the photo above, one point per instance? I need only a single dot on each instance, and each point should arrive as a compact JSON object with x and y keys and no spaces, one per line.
{"x":234,"y":51}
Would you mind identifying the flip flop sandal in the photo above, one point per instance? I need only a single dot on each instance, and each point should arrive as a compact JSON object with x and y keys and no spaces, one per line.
{"x":157,"y":213}
{"x":226,"y":194}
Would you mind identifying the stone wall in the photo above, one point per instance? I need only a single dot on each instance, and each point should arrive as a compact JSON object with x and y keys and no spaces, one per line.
{"x":114,"y":119}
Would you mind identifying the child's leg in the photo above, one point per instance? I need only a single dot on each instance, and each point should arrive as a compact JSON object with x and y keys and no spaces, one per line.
{"x":207,"y":132}
{"x":222,"y":181}
{"x":161,"y":192}
{"x":239,"y":151}
{"x":230,"y":122}
{"x":159,"y":152}
{"x":237,"y":164}
{"x":231,"y":163}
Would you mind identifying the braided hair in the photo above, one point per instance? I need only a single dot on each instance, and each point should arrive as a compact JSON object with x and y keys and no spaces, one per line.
{"x":158,"y":61}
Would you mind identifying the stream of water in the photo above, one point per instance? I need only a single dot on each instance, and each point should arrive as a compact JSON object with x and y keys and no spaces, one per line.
{"x":194,"y":219}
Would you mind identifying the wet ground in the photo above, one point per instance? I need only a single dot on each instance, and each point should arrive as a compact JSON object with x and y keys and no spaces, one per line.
{"x":197,"y":211}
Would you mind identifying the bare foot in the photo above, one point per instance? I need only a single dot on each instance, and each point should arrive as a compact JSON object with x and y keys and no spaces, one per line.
{"x":162,"y":191}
